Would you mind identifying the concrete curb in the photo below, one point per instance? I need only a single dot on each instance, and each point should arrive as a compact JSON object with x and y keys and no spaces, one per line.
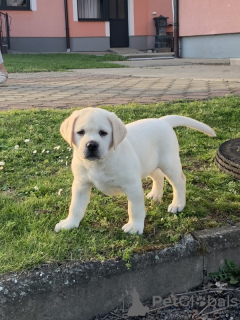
{"x":83,"y":290}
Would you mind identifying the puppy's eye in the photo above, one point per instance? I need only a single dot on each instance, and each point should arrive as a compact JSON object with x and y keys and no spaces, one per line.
{"x":102,"y":133}
{"x":81,"y":132}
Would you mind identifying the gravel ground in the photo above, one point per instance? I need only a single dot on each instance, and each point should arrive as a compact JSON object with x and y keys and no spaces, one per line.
{"x":212,"y":301}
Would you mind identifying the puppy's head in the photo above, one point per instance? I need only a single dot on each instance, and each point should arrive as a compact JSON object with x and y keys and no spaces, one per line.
{"x":93,"y":132}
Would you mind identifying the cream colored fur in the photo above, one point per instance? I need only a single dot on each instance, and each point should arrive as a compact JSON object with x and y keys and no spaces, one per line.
{"x":124,"y":155}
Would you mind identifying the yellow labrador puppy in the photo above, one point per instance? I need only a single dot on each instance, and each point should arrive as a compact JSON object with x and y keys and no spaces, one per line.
{"x":115,"y":157}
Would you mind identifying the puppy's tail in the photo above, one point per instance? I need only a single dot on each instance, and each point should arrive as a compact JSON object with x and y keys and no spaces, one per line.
{"x":179,"y":121}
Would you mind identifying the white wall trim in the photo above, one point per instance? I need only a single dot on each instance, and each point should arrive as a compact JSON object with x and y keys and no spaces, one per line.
{"x":107,"y":29}
{"x":75,"y":10}
{"x":131,"y":17}
{"x":33,"y":5}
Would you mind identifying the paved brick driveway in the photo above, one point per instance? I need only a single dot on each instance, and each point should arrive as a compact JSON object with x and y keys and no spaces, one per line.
{"x":146,"y":84}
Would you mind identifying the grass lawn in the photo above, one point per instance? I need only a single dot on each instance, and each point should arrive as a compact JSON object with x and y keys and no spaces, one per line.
{"x":58,"y":62}
{"x":35,"y":188}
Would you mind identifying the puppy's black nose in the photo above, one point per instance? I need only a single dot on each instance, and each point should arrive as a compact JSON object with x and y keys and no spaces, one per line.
{"x":92,"y":145}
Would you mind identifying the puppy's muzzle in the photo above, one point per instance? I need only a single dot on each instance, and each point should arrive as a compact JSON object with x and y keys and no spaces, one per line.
{"x":91,"y":151}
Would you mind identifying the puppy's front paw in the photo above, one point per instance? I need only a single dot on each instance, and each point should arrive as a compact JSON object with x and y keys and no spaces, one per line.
{"x":133,"y":228}
{"x":66,"y":224}
{"x":174,"y":208}
{"x":154,"y":196}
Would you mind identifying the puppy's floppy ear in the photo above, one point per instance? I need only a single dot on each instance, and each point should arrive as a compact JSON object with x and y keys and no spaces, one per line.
{"x":119,"y":130}
{"x":67,"y":127}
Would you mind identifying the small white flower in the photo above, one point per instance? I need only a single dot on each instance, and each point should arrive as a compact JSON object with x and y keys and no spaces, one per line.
{"x":69,"y":149}
{"x":43,"y":150}
{"x":36,"y":188}
{"x":35,"y":151}
{"x":66,"y":157}
{"x":26,"y":140}
{"x":60,"y":191}
{"x":16,"y":147}
{"x":47,"y":151}
{"x":61,"y":160}
{"x":57,"y":147}
{"x":66,"y":163}
{"x":2,"y":163}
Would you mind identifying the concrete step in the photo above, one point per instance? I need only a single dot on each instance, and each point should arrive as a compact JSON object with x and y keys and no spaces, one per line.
{"x":235,"y":62}
{"x":124,"y":50}
{"x":135,"y":54}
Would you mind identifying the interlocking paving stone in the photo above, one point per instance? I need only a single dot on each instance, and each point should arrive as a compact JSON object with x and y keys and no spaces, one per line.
{"x":117,"y":86}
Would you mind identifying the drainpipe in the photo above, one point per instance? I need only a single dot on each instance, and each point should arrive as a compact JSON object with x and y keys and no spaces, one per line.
{"x":175,"y":4}
{"x":67,"y":26}
{"x":8,"y":31}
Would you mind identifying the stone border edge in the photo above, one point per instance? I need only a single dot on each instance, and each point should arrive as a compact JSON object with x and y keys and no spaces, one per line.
{"x":81,"y":290}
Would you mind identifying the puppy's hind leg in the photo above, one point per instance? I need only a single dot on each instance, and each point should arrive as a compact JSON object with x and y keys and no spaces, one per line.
{"x":173,"y":173}
{"x":156,"y":193}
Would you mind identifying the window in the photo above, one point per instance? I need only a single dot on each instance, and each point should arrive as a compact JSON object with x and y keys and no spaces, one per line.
{"x":15,"y":4}
{"x":117,"y":9}
{"x":92,"y":9}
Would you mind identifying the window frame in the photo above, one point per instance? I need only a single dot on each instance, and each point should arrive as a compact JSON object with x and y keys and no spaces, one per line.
{"x":5,"y":7}
{"x":105,"y":13}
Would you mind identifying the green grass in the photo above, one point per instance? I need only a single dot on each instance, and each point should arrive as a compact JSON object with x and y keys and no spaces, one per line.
{"x":30,"y":180}
{"x":58,"y":62}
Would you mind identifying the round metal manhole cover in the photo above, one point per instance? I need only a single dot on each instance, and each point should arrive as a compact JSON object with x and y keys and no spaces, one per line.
{"x":228,"y":157}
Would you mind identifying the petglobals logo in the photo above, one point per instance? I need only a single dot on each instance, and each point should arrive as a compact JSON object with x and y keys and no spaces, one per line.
{"x":195,"y":301}
{"x":202,"y":302}
{"x":137,"y":309}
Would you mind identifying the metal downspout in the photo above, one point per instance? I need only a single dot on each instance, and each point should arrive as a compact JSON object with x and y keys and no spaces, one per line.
{"x":8,"y":31}
{"x":67,"y":25}
{"x":176,"y":27}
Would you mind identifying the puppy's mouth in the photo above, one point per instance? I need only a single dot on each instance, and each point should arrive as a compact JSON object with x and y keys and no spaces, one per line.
{"x":92,"y":157}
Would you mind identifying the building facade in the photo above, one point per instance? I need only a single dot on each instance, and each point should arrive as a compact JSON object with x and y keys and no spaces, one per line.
{"x":83,"y":25}
{"x":209,"y":28}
